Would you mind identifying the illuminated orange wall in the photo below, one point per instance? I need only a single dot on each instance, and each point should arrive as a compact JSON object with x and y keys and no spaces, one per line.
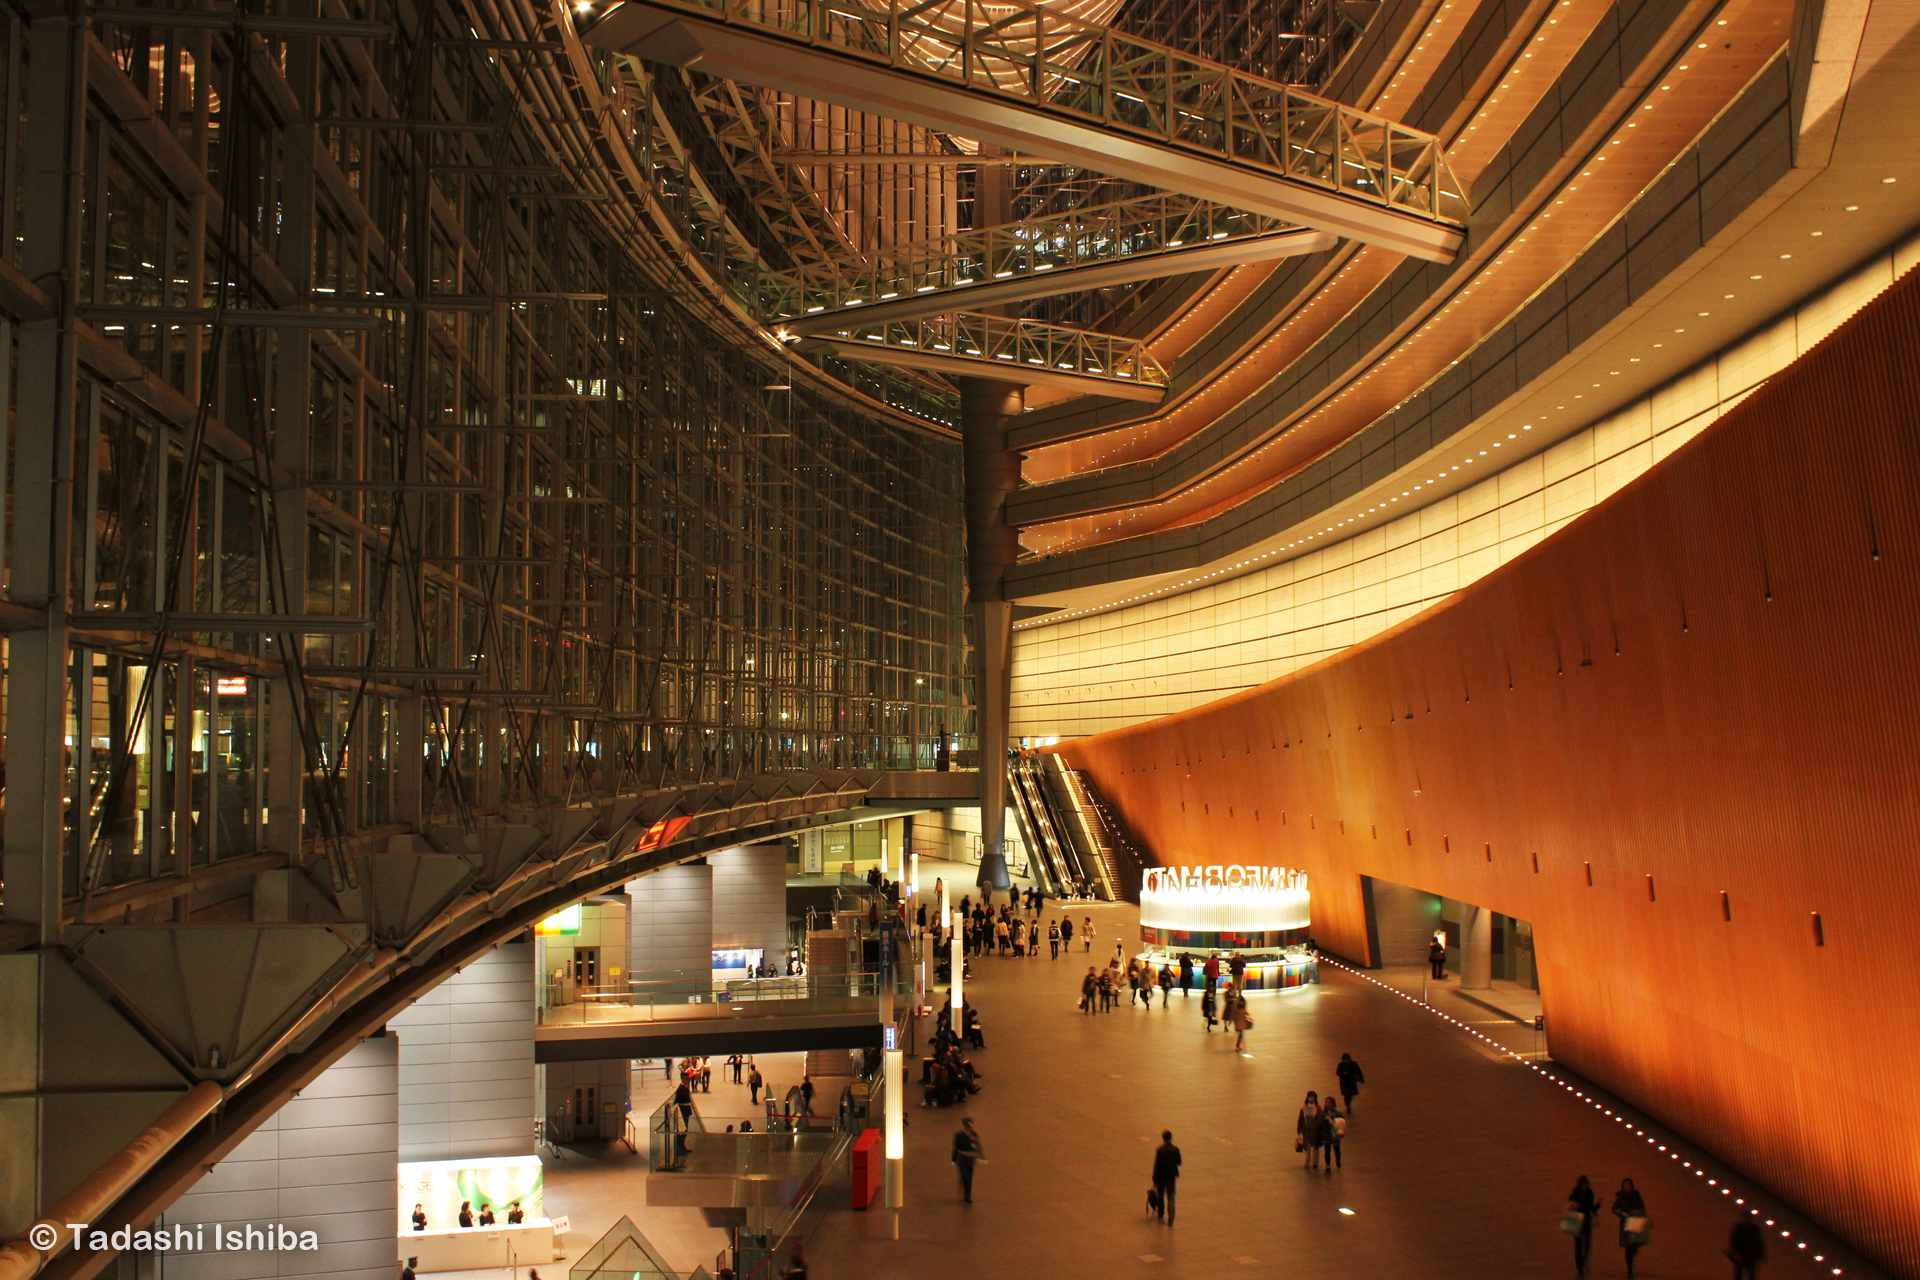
{"x":1711,"y":680}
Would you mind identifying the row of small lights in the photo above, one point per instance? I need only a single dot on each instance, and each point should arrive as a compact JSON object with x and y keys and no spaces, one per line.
{"x":1572,"y":1089}
{"x":1320,"y":297}
{"x":1221,"y":476}
{"x":1055,"y":618}
{"x":1219,"y":479}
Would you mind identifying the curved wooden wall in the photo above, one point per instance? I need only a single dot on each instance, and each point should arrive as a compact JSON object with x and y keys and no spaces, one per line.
{"x":1709,"y":684}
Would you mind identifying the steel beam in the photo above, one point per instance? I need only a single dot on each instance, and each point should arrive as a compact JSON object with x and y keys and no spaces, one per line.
{"x":791,"y":64}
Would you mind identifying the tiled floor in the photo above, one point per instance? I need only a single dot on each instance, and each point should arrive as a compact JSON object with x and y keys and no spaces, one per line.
{"x":1458,"y":1160}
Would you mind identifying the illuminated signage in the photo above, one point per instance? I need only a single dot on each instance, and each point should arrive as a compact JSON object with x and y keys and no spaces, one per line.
{"x":1221,"y":880}
{"x":564,"y":922}
{"x":1224,"y":898}
{"x":230,"y":684}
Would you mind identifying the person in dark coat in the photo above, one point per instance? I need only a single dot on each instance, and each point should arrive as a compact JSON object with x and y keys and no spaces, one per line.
{"x":966,"y":1153}
{"x":1351,"y":1078}
{"x":1186,"y":974}
{"x":1209,"y":1006}
{"x":466,"y":1213}
{"x":1166,"y":1174}
{"x":419,"y":1218}
{"x":1582,"y":1201}
{"x":1627,"y":1203}
{"x":1747,"y":1248}
{"x":1437,"y":957}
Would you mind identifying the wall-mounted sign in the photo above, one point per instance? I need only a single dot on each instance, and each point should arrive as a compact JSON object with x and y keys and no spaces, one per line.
{"x":1218,"y":880}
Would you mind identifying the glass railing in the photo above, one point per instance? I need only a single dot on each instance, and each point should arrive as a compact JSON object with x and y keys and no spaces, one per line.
{"x":820,"y":990}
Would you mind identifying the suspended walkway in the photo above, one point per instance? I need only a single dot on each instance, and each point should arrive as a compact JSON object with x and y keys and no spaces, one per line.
{"x":1026,"y":351}
{"x":1035,"y":82}
{"x":1091,"y":248}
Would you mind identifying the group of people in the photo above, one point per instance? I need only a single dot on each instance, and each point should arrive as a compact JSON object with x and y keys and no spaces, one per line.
{"x":1629,"y":1206}
{"x":468,"y":1218}
{"x":1015,"y":928}
{"x":947,"y":1075}
{"x":1100,"y":988}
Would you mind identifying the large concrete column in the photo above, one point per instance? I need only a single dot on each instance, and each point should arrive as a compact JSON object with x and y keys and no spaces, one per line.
{"x":987,"y":408}
{"x":750,"y":900}
{"x":1476,"y":948}
{"x":466,"y":1061}
{"x":670,"y":928}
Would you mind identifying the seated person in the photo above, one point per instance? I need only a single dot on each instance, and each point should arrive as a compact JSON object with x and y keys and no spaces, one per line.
{"x":937,"y":1087}
{"x":486,"y":1215}
{"x":515,"y":1214}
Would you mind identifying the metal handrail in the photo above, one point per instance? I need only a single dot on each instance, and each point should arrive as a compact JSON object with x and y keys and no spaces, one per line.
{"x":1000,"y":341}
{"x":1149,"y":225}
{"x":1046,"y":61}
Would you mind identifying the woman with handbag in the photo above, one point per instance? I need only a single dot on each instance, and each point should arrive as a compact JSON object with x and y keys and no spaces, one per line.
{"x":1582,"y":1207}
{"x":1306,"y":1128}
{"x":1632,"y":1212}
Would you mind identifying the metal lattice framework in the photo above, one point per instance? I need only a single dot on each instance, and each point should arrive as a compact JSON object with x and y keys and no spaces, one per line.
{"x":1013,"y":349}
{"x":1149,"y":227}
{"x":1053,"y":65}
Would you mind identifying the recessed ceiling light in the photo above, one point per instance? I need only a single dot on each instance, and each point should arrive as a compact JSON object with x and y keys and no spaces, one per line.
{"x":1853,"y":208}
{"x":1785,"y":256}
{"x":1888,"y":181}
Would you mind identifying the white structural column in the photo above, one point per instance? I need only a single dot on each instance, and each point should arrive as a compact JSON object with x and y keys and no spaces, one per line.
{"x":466,"y":1061}
{"x":1476,"y":947}
{"x":322,"y":1163}
{"x":670,"y":929}
{"x":750,"y":900}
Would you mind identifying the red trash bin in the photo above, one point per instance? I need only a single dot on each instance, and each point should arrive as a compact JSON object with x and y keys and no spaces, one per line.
{"x":868,"y":1166}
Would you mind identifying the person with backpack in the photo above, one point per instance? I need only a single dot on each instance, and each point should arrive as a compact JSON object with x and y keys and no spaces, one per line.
{"x":1166,"y":1175}
{"x":1053,"y":940}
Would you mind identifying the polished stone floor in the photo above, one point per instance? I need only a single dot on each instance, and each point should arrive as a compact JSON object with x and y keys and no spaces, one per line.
{"x":1457,"y":1163}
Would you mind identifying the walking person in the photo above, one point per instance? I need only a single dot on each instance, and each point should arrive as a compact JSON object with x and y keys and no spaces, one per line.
{"x":1086,"y":933}
{"x":1631,"y":1209}
{"x":1351,"y":1078}
{"x":1053,"y":940}
{"x":1747,"y":1247}
{"x":1306,"y":1128}
{"x":1242,"y":1020}
{"x":1166,"y":1174}
{"x":967,"y":1152}
{"x":754,"y":1084}
{"x":1166,"y":984}
{"x":1209,"y":1006}
{"x":1333,"y":1129}
{"x":1582,"y":1203}
{"x":1089,"y":990}
{"x":1186,"y":975}
{"x":1211,"y":970}
{"x":1437,"y":957}
{"x":1066,"y":931}
{"x":1133,"y":983}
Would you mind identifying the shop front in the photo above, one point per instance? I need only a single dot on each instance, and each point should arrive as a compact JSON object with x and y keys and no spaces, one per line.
{"x":1261,"y":915}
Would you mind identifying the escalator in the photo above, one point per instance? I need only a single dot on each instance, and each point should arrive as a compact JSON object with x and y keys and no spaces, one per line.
{"x":1112,"y":859}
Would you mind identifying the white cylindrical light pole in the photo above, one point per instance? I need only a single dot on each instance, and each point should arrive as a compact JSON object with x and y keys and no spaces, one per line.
{"x":896,"y":1132}
{"x":958,"y":962}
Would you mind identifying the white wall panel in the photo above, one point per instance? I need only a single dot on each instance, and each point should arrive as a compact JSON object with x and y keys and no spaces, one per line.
{"x":466,"y":1061}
